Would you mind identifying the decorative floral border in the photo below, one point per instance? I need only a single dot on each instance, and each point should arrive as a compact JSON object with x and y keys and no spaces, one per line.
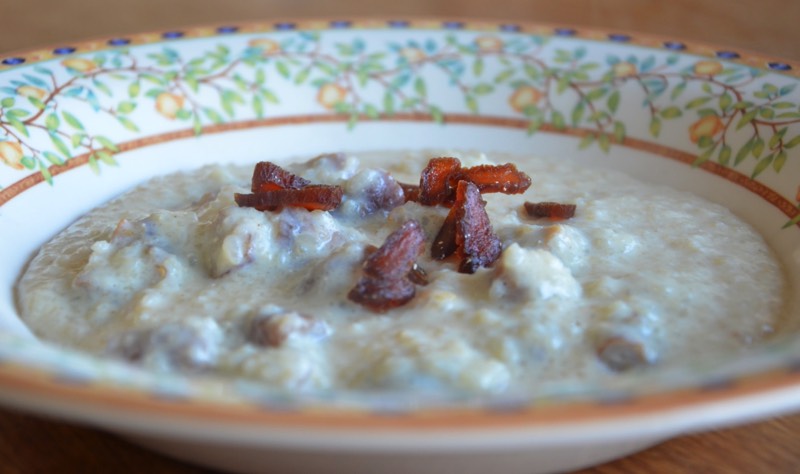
{"x":740,"y":116}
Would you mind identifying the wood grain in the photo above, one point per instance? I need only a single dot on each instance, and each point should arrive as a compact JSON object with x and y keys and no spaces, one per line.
{"x":29,"y":444}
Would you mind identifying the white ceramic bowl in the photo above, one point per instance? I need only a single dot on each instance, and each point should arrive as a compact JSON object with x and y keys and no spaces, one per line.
{"x":81,"y":123}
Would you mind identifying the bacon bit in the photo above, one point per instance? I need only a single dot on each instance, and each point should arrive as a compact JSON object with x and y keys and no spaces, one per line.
{"x":437,"y":184}
{"x":506,"y":178}
{"x":410,"y":192}
{"x":434,"y":183}
{"x":467,"y":232}
{"x":550,"y":210}
{"x":271,"y":177}
{"x":274,"y":188}
{"x":312,"y":197}
{"x":386,"y":282}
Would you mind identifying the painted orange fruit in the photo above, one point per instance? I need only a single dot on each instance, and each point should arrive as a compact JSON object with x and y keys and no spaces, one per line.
{"x":524,"y":97}
{"x":168,"y":104}
{"x":11,"y":154}
{"x":707,"y":126}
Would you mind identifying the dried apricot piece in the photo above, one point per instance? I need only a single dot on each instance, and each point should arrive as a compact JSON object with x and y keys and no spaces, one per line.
{"x":385,"y":283}
{"x":550,"y":210}
{"x":312,"y":197}
{"x":268,"y":176}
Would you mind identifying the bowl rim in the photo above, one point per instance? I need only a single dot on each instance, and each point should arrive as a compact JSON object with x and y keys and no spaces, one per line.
{"x":39,"y":383}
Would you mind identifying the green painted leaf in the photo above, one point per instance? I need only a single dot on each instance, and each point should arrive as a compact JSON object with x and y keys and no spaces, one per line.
{"x":388,"y":103}
{"x":127,"y":123}
{"x":762,"y":165}
{"x":102,"y":87}
{"x":53,"y":158}
{"x":695,"y":103}
{"x":613,"y":101}
{"x":793,"y":142}
{"x":577,"y":113}
{"x":619,"y":131}
{"x":213,"y":115}
{"x":655,"y":126}
{"x":420,"y":87}
{"x":52,"y":122}
{"x":7,"y":102}
{"x":744,"y":152}
{"x":504,"y":76}
{"x":193,"y":83}
{"x":17,"y":113}
{"x":724,"y":155}
{"x":283,"y":69}
{"x":587,"y":140}
{"x":472,"y":104}
{"x":436,"y":114}
{"x":677,"y":91}
{"x":794,"y":221}
{"x":483,"y":89}
{"x":562,"y":84}
{"x":183,"y":114}
{"x":783,"y":105}
{"x":707,"y":88}
{"x":780,"y":160}
{"x":671,"y":112}
{"x":557,"y":119}
{"x":36,"y":103}
{"x":352,"y":121}
{"x":604,"y":142}
{"x":134,"y":89}
{"x":105,"y":157}
{"x":595,"y":94}
{"x":93,"y":164}
{"x":108,"y":144}
{"x":60,"y":146}
{"x":197,"y":125}
{"x":477,"y":67}
{"x":19,"y":126}
{"x":28,"y":162}
{"x":746,"y":118}
{"x":77,"y":139}
{"x":742,"y":105}
{"x":725,"y":101}
{"x":72,"y":120}
{"x":705,"y":156}
{"x":258,"y":106}
{"x":261,"y":76}
{"x":48,"y":177}
{"x":766,"y":113}
{"x":532,"y":72}
{"x":776,"y":137}
{"x":758,"y":147}
{"x":705,"y":142}
{"x":269,"y":96}
{"x":126,"y":107}
{"x":371,"y":111}
{"x":534,"y":126}
{"x":302,"y":76}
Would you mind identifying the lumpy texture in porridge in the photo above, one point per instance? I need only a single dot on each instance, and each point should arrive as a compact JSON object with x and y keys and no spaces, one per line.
{"x":176,"y":277}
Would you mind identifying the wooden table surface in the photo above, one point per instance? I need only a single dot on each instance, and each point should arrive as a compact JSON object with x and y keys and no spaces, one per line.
{"x":29,"y":444}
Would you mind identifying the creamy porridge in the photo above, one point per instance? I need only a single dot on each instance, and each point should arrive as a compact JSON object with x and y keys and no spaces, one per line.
{"x":176,"y":276}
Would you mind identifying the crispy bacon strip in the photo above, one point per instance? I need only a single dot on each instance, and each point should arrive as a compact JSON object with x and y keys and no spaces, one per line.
{"x":275,"y":188}
{"x":437,"y":184}
{"x":467,"y":232}
{"x":271,"y":177}
{"x":312,"y":197}
{"x":506,"y":178}
{"x":385,"y":283}
{"x":550,"y":210}
{"x":434,"y":183}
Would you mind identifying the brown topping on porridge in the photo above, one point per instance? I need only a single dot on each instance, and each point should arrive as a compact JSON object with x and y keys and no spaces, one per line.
{"x":438,"y":182}
{"x":273,"y":329}
{"x":313,"y":197}
{"x":418,"y":275}
{"x":467,"y":232}
{"x":275,"y":188}
{"x":550,"y":210}
{"x":386,"y":282}
{"x":410,"y":192}
{"x":271,"y":177}
{"x":620,"y":354}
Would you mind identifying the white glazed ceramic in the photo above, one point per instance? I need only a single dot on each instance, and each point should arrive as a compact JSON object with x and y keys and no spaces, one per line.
{"x":81,"y":123}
